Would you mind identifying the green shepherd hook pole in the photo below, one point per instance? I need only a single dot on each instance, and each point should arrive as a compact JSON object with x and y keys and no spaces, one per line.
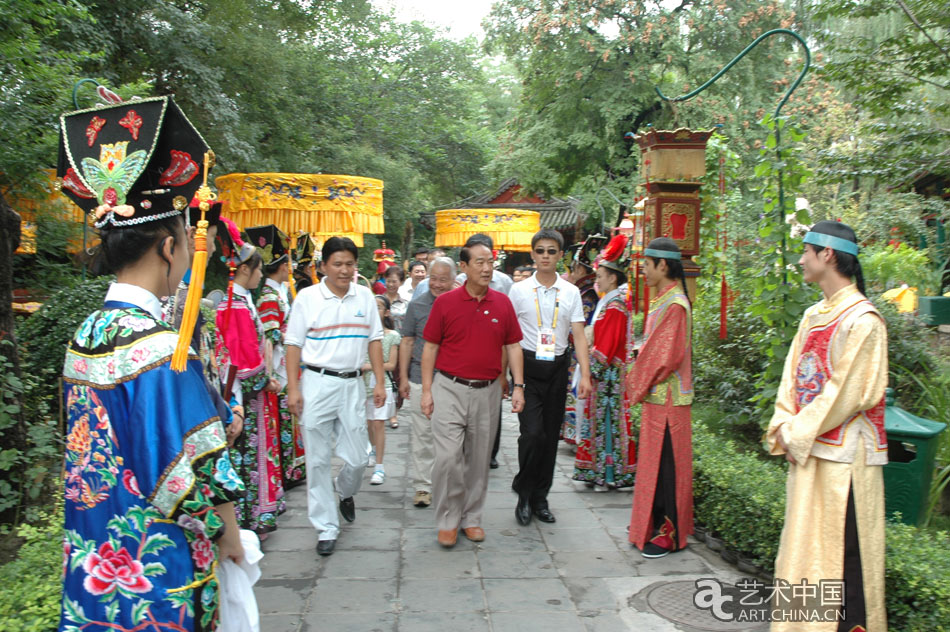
{"x":778,"y":109}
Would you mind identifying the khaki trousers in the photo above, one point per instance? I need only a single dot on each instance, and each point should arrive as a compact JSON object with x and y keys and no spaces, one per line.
{"x":421,"y":447}
{"x":464,"y":422}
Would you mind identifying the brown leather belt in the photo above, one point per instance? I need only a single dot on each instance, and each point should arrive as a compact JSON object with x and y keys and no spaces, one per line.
{"x":468,"y":383}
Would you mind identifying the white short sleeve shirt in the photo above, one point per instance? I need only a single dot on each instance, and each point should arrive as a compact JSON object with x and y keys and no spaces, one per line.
{"x":333,"y":332}
{"x":562,"y":294}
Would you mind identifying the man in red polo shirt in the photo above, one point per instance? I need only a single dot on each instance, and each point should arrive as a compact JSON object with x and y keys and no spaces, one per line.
{"x":465,"y":335}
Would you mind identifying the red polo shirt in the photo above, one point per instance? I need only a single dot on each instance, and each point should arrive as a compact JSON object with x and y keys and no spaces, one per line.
{"x":470,"y":333}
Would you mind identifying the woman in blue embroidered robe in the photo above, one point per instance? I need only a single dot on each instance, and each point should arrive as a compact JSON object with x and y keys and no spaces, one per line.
{"x":148,"y":480}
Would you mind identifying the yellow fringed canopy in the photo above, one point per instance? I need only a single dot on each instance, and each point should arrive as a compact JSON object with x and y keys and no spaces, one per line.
{"x":322,"y":205}
{"x":53,"y":200}
{"x":510,"y":229}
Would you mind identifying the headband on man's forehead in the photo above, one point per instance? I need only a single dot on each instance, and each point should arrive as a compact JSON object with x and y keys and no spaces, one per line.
{"x":662,"y":254}
{"x":830,"y":241}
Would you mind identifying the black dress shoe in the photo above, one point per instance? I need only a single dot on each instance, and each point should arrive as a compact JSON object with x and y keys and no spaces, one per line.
{"x":523,"y":511}
{"x":348,"y":509}
{"x":544,"y":515}
{"x":493,"y":464}
{"x":325,"y":547}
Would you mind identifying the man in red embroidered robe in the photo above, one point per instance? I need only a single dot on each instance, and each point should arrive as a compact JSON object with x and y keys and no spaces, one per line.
{"x":662,"y":379}
{"x":829,"y":424}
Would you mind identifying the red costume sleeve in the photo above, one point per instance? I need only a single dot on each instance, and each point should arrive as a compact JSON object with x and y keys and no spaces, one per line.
{"x":659,"y":356}
{"x":240,"y":337}
{"x":268,"y":309}
{"x":610,"y":336}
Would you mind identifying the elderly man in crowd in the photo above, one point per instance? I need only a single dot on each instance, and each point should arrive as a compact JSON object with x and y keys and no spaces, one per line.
{"x":441,"y":278}
{"x":465,"y":334}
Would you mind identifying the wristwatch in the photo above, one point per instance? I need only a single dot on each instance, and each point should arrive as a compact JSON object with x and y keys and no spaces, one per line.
{"x":517,"y":385}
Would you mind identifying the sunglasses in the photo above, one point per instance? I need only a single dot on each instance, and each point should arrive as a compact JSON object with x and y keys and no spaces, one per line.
{"x":550,"y":251}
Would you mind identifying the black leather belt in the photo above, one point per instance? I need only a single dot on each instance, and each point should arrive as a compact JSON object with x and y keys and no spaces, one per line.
{"x":468,"y":383}
{"x":343,"y":374}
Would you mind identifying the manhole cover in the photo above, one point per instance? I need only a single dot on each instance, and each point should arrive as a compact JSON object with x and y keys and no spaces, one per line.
{"x":674,"y":601}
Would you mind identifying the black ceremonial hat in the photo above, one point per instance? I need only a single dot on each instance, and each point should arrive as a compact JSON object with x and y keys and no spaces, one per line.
{"x":130,"y":162}
{"x":270,"y":241}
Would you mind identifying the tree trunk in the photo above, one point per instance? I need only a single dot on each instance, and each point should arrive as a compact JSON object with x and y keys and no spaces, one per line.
{"x":14,"y":437}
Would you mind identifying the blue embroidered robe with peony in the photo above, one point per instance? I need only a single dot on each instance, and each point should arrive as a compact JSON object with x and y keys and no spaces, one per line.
{"x":146,"y":460}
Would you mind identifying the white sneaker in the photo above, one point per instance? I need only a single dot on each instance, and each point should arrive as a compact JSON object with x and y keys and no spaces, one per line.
{"x":371,"y":458}
{"x":378,"y":478}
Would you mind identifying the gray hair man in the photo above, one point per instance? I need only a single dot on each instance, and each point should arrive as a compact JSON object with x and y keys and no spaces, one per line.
{"x":441,"y":278}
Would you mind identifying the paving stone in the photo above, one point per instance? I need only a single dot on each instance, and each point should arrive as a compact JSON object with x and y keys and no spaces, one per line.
{"x":522,"y":621}
{"x":603,"y":621}
{"x":426,"y":540}
{"x":334,"y":595}
{"x":361,"y":564}
{"x":443,"y":622}
{"x":282,"y":596}
{"x":373,"y":499}
{"x":524,"y":595}
{"x":291,"y":564}
{"x":514,"y":538}
{"x":577,"y":539}
{"x":288,"y":539}
{"x":569,"y":517}
{"x":441,"y":595}
{"x":515,"y":564}
{"x":368,"y":538}
{"x":348,"y":622}
{"x":368,"y":517}
{"x":281,"y":622}
{"x":438,"y":563}
{"x":594,"y":564}
{"x":592,"y":593}
{"x":681,"y":562}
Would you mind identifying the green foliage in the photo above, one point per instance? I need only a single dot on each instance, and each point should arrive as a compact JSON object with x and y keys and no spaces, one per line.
{"x":30,"y":585}
{"x":918,"y":593}
{"x":779,"y":295}
{"x":725,"y":478}
{"x":44,"y":335}
{"x":887,"y":267}
{"x":891,"y":58}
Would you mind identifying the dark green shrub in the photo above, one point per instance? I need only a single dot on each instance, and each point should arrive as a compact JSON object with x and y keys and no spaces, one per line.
{"x":44,"y":335}
{"x":741,"y":499}
{"x":30,"y":585}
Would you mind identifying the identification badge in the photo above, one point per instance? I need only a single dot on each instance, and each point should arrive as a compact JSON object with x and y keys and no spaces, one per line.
{"x":545,"y":348}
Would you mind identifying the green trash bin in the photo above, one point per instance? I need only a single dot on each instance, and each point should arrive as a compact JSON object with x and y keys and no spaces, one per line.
{"x":911,"y":448}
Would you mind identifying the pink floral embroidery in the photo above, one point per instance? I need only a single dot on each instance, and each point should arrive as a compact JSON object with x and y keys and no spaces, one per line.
{"x":176,"y":485}
{"x":190,"y":449}
{"x":202,"y":552}
{"x":80,"y":366}
{"x":109,"y":570}
{"x":140,"y":354}
{"x":130,"y":483}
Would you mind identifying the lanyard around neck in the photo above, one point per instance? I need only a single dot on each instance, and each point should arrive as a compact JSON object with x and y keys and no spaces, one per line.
{"x":537,"y":306}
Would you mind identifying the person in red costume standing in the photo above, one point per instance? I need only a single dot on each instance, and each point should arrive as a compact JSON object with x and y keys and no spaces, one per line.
{"x":661,"y":378}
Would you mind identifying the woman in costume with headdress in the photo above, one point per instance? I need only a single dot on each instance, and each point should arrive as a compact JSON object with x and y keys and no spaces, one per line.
{"x":273,"y":308}
{"x":149,"y":487}
{"x":304,"y":273}
{"x":242,"y":355}
{"x":661,"y":378}
{"x":582,"y":276}
{"x":606,"y":451}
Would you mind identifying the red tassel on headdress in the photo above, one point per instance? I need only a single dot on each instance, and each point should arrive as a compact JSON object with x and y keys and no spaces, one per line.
{"x":615,"y":248}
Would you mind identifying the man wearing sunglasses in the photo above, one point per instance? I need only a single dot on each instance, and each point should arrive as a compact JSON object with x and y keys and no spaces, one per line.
{"x":549,"y":310}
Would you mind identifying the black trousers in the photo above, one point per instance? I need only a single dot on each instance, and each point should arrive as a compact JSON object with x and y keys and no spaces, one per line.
{"x":854,"y":607}
{"x":545,"y":395}
{"x":664,"y":497}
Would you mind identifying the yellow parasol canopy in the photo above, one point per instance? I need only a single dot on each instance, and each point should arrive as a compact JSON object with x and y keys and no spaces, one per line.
{"x":322,"y":205}
{"x":53,"y":200}
{"x":510,"y":229}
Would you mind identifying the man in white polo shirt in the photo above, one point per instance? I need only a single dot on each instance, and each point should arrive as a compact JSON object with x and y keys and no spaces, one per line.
{"x":332,"y":326}
{"x":549,"y":309}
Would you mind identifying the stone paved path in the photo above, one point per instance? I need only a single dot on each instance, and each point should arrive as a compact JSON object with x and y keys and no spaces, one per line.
{"x":388,"y":573}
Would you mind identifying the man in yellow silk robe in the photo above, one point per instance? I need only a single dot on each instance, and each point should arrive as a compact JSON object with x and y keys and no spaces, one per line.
{"x":829,"y":424}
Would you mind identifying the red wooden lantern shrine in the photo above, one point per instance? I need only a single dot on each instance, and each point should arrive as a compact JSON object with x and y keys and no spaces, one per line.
{"x":672,"y":164}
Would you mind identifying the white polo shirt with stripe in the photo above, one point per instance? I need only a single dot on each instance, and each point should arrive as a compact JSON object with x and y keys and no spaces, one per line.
{"x":333,"y":332}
